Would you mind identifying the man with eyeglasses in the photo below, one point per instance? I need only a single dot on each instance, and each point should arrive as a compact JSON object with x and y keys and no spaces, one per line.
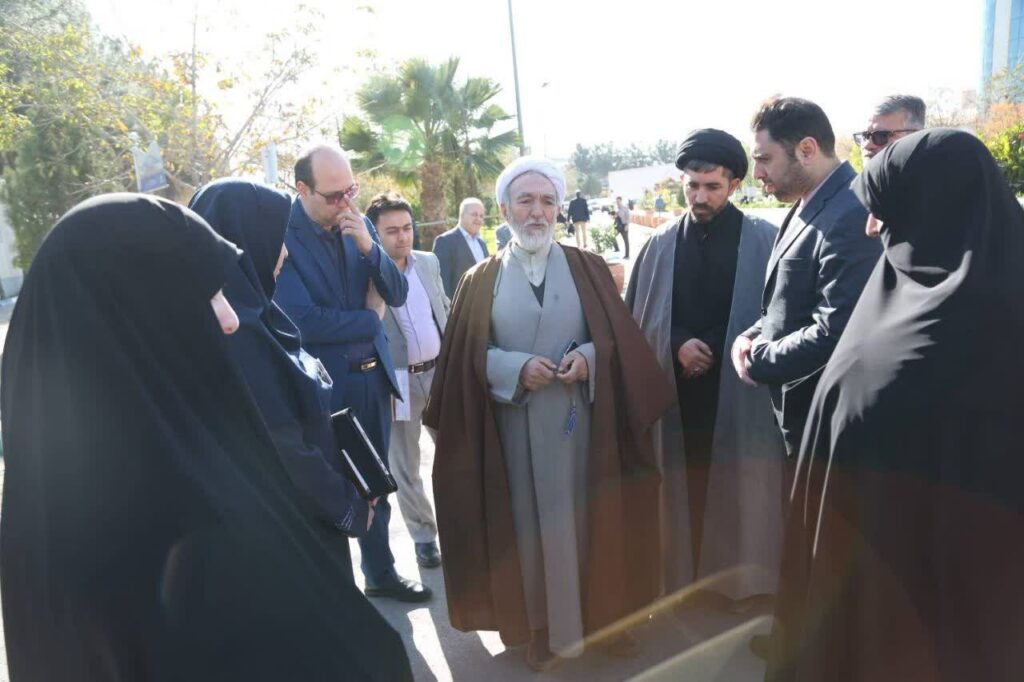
{"x":335,"y":284}
{"x":895,"y":117}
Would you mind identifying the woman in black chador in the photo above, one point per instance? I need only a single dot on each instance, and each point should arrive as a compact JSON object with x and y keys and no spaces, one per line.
{"x":148,"y":529}
{"x":291,"y":388}
{"x":904,"y":548}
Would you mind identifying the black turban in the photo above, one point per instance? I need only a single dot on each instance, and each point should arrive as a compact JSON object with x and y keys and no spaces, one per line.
{"x":714,"y":146}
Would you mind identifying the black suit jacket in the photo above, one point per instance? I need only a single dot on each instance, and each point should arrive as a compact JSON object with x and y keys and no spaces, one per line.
{"x":821,"y":260}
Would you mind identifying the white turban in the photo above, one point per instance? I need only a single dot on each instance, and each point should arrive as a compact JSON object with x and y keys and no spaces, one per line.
{"x":530,"y":164}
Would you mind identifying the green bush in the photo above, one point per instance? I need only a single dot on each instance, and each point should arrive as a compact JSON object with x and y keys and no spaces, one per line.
{"x":1008,"y":150}
{"x":604,"y":239}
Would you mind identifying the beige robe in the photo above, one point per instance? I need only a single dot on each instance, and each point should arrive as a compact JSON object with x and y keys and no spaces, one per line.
{"x":546,"y":467}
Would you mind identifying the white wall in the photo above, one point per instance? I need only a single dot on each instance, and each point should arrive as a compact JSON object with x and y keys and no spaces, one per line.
{"x":631,"y":183}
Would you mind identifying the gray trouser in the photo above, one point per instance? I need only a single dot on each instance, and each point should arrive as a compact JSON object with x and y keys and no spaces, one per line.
{"x":404,"y":459}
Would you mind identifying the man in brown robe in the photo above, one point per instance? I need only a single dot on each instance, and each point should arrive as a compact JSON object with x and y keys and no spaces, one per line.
{"x":545,"y":482}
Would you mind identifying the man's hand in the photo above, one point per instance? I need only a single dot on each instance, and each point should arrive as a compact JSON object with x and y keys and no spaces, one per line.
{"x":351,"y":223}
{"x":537,"y":373}
{"x":695,"y":357}
{"x":740,"y":352}
{"x":573,"y":368}
{"x":374,"y":301}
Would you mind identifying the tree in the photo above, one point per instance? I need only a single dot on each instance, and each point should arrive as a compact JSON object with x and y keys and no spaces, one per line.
{"x":1007,"y":148}
{"x":74,"y":103}
{"x":475,"y":153}
{"x":419,"y":126}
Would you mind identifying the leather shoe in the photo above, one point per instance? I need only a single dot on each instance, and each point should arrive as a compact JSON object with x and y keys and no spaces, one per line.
{"x":427,"y":555}
{"x":401,"y":589}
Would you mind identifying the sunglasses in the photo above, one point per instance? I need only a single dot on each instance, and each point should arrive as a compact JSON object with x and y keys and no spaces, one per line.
{"x":335,"y":198}
{"x":879,"y":137}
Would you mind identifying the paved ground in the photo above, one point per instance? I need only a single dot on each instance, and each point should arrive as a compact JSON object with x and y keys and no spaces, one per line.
{"x":701,"y":646}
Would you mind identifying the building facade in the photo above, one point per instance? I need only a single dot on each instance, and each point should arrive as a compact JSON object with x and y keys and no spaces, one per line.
{"x":1003,"y":44}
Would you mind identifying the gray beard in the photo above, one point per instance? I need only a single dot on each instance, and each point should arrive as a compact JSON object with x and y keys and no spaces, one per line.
{"x":531,"y":243}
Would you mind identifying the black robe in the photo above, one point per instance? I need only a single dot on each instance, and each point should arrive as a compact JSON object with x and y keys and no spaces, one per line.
{"x":702,"y":291}
{"x":148,"y":530}
{"x":904,"y":545}
{"x":286,"y":382}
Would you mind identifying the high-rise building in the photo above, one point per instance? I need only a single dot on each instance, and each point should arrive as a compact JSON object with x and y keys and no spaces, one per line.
{"x":1004,"y":37}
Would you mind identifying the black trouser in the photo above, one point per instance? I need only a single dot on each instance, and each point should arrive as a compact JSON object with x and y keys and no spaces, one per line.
{"x":624,"y":233}
{"x":698,"y":405}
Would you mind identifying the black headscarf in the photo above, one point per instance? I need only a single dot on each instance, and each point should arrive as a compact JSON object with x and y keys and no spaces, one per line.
{"x":292,"y":398}
{"x":147,"y":532}
{"x":905,"y":540}
{"x":713,"y":146}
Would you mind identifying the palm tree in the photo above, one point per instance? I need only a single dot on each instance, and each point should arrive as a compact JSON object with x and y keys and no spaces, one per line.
{"x":418,"y":125}
{"x":475,"y":153}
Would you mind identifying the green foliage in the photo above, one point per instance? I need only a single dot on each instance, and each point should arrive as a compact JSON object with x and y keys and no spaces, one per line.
{"x":74,"y":103}
{"x":594,"y":163}
{"x":1007,"y":148}
{"x":419,"y":126}
{"x":604,"y":239}
{"x":856,"y":159}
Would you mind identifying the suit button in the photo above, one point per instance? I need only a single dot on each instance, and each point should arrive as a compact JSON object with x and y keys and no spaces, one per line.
{"x":764,"y":311}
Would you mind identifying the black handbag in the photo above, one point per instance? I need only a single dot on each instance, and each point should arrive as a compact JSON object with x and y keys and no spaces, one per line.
{"x":363,"y":465}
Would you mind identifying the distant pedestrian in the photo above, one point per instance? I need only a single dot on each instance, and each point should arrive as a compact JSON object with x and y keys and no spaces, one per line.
{"x":579,"y":216}
{"x":659,"y":204}
{"x":622,"y":224}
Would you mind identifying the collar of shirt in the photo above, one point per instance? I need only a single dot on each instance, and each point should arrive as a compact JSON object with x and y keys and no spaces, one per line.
{"x":474,"y":245}
{"x":410,"y":263}
{"x":806,"y":201}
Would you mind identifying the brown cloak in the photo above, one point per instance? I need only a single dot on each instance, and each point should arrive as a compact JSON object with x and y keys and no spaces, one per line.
{"x":483,"y":574}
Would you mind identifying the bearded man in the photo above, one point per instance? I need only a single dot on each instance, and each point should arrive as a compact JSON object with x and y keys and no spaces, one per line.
{"x":544,"y":479}
{"x":695,"y":285}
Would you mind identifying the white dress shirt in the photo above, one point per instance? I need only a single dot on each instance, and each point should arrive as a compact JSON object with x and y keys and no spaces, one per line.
{"x":474,"y":245}
{"x":416,"y":319}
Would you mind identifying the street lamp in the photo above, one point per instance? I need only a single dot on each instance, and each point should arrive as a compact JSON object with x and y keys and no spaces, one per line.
{"x":515,"y":76}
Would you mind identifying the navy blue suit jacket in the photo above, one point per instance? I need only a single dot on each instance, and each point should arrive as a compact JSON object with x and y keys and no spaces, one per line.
{"x":311,"y":291}
{"x":819,"y":265}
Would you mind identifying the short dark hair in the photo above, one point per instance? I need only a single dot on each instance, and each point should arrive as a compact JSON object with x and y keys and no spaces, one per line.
{"x":386,"y":202}
{"x":701,"y":166}
{"x":914,"y":106}
{"x":790,"y":119}
{"x":304,"y":167}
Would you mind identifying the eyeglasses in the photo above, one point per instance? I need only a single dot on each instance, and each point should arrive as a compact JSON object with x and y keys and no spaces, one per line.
{"x":335,"y":198}
{"x":879,"y":137}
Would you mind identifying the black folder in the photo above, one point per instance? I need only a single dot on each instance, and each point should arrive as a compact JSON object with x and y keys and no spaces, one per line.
{"x":363,"y":465}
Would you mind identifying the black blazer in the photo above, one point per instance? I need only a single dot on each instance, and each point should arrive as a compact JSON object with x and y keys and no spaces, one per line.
{"x":821,"y":260}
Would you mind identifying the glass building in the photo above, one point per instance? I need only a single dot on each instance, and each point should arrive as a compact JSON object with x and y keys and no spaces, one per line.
{"x":1003,"y":46}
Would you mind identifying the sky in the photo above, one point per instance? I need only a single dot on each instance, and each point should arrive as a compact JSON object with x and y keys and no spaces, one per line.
{"x":621,"y":72}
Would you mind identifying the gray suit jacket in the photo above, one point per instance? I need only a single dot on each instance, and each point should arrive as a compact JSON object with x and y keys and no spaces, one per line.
{"x":818,"y":267}
{"x":503,"y":235}
{"x":429,"y":271}
{"x":453,"y":252}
